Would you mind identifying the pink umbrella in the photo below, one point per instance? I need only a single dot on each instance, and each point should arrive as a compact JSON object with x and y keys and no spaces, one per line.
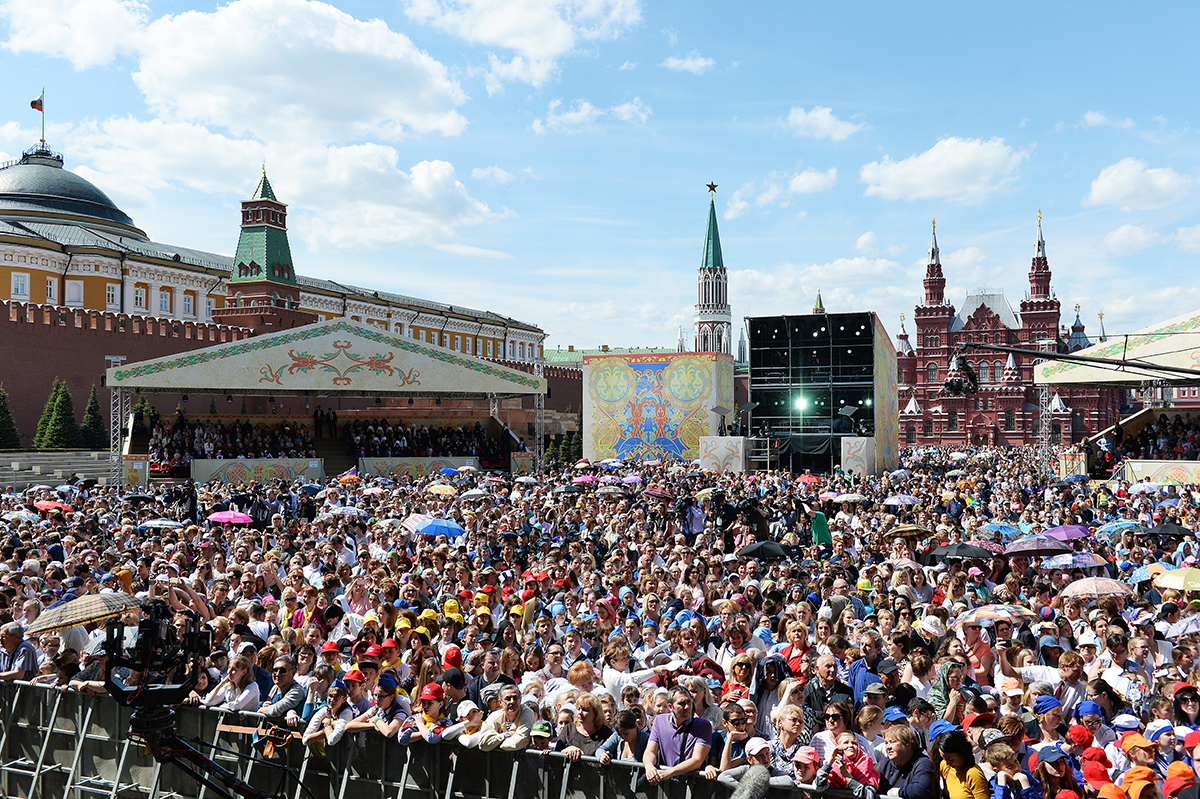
{"x":827,"y":495}
{"x":230,"y":517}
{"x":630,"y":479}
{"x":585,"y":478}
{"x":1068,"y":532}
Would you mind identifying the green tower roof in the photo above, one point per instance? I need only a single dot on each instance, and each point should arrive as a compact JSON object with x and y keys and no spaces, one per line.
{"x":263,"y":245}
{"x":820,"y":306}
{"x":712,"y":242}
{"x":264,"y":190}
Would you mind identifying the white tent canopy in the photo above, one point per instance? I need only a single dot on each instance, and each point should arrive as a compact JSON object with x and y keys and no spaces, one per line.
{"x":1174,"y":344}
{"x":334,"y":358}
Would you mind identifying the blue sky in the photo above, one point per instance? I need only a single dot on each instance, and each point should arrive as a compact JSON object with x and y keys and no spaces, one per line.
{"x":546,"y":159}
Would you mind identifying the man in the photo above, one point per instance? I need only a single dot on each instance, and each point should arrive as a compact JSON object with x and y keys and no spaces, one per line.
{"x":819,"y":693}
{"x":248,"y":597}
{"x":491,"y":674}
{"x":840,"y":599}
{"x":454,"y":688}
{"x":287,"y":696}
{"x":509,"y":727}
{"x":1068,"y":688}
{"x":863,"y":671}
{"x":899,"y":694}
{"x":679,"y":740}
{"x":18,"y":657}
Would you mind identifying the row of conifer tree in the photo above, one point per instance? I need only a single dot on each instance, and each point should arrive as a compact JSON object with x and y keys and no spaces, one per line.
{"x":58,"y":428}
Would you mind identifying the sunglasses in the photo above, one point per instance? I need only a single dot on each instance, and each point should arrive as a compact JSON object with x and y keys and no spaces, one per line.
{"x":280,"y":671}
{"x":832,"y":716}
{"x":738,"y":722}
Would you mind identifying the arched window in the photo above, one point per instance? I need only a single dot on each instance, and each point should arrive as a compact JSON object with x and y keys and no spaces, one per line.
{"x":997,"y":370}
{"x":985,"y":373}
{"x":910,"y":435}
{"x":275,"y":299}
{"x":931,"y":373}
{"x":237,"y":300}
{"x":927,"y":428}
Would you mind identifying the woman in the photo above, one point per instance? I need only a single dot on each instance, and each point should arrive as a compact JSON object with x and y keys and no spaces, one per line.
{"x":1047,"y":712}
{"x":907,"y":771}
{"x":306,"y":658}
{"x":1104,"y":695}
{"x":706,"y":704}
{"x":616,"y":673}
{"x":238,"y":691}
{"x":1186,"y":701}
{"x":789,"y":723}
{"x":385,"y":717}
{"x":979,"y":652}
{"x":769,"y":674}
{"x":327,"y":724}
{"x":945,"y":693}
{"x":737,"y":686}
{"x":962,"y":779}
{"x":588,"y":733}
{"x":1055,"y":773}
{"x":922,"y":590}
{"x":427,"y":724}
{"x":839,"y":718}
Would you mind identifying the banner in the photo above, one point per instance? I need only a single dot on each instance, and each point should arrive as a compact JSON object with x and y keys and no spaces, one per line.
{"x":519,"y":462}
{"x":416,"y":467}
{"x":723,"y":453}
{"x":135,"y":470}
{"x":1186,"y":472}
{"x":259,"y":469}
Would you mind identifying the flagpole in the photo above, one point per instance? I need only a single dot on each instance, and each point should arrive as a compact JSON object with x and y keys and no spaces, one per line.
{"x":43,"y":110}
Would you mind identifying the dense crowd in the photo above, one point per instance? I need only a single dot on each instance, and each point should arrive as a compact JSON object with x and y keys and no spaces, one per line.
{"x":794,"y":627}
{"x":175,"y":442}
{"x":392,"y":438}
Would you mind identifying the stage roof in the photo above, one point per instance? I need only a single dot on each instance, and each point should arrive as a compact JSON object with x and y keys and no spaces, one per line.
{"x":1173,"y":344}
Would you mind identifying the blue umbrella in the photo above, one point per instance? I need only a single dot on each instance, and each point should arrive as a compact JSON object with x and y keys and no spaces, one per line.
{"x":901,"y":474}
{"x":1142,"y":573}
{"x":1076,"y":478}
{"x":346,"y":510}
{"x":446,"y":470}
{"x":446,"y":527}
{"x":1006,"y":531}
{"x":902,"y":499}
{"x":1173,"y":501}
{"x":310,"y":489}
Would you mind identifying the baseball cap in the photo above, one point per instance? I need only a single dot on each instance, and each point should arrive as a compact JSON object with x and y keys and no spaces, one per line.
{"x":1050,"y":754}
{"x":432,"y":691}
{"x":807,"y":755}
{"x":1181,"y":770}
{"x":453,"y":677}
{"x":990,"y":736}
{"x":886,"y":666}
{"x":1012,"y":687}
{"x":1080,"y":736}
{"x":329,"y":646}
{"x":541,"y":729}
{"x":983,"y":719}
{"x":756,"y":745}
{"x":941,"y":726}
{"x":875,"y":689}
{"x":465,"y":707}
{"x":1134,"y":740}
{"x":892,"y":714}
{"x":1095,"y":773}
{"x":354,"y":675}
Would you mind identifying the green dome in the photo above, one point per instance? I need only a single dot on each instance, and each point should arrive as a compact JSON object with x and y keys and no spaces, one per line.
{"x":38,"y":183}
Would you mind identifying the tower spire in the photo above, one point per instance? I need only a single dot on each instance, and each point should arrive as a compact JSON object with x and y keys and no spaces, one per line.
{"x":818,"y":306}
{"x":713,"y":319}
{"x":935,"y":256}
{"x":935,"y":282}
{"x":1039,"y":272}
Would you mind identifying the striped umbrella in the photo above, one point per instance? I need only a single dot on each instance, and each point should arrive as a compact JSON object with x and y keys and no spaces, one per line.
{"x":1096,"y":588}
{"x":87,"y":609}
{"x":988,"y":615}
{"x":907,"y":531}
{"x":1074,"y":560}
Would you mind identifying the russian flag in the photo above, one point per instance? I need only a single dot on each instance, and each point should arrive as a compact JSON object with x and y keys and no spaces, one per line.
{"x":36,"y":105}
{"x":351,"y":472}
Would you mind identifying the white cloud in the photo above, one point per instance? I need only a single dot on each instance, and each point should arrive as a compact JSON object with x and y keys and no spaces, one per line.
{"x":1095,"y":119}
{"x":966,"y":171}
{"x":693,"y":63}
{"x":868,"y":243}
{"x":820,"y":123}
{"x":811,"y":180}
{"x":1188,"y":238}
{"x":738,"y":204}
{"x":628,"y":65}
{"x":582,"y":115}
{"x":1128,"y":239}
{"x":536,"y":32}
{"x":493,"y":174}
{"x":1130,"y":185}
{"x":88,"y":33}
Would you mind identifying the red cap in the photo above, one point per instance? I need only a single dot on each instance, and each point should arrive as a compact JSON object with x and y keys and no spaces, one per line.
{"x":1097,"y":754}
{"x":527,"y":595}
{"x":1066,"y":793}
{"x":1095,"y":774}
{"x":374,"y":651}
{"x":389,"y":643}
{"x":542,"y":576}
{"x":1080,"y":736}
{"x":1192,"y":740}
{"x":328,"y":646}
{"x":1173,"y":786}
{"x":431,"y":691}
{"x":507,"y":592}
{"x":1182,"y":686}
{"x":488,"y":589}
{"x":354,"y":675}
{"x":466,"y":594}
{"x":970,"y":719}
{"x":453,"y":658}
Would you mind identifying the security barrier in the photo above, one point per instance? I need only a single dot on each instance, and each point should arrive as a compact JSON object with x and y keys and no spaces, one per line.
{"x":57,"y":743}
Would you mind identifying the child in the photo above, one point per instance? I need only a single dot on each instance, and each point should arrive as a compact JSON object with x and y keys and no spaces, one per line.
{"x":1010,"y":782}
{"x":849,"y":764}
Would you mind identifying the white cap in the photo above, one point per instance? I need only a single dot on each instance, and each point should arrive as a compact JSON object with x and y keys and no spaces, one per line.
{"x":756,"y":745}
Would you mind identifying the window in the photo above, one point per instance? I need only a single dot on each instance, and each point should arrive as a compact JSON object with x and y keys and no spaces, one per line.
{"x":110,"y":295}
{"x":931,"y":373}
{"x":208,"y":308}
{"x":985,"y":373}
{"x":429,"y":337}
{"x":1010,"y":420}
{"x":187,"y":304}
{"x":458,"y":342}
{"x":521,"y":350}
{"x":51,"y":291}
{"x":927,"y":428}
{"x":952,"y":422}
{"x":470,"y":346}
{"x":931,"y":341}
{"x":164,"y":300}
{"x":985,"y":403}
{"x":139,"y":298}
{"x":910,"y":435}
{"x":996,"y":370}
{"x":20,"y":285}
{"x":489,"y":348}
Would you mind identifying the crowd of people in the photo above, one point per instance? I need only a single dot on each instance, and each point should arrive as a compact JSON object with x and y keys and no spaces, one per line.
{"x":750,"y":629}
{"x":175,"y":442}
{"x":393,"y":438}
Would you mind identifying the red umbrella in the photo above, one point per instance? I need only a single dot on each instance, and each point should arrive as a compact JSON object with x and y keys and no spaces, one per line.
{"x":49,"y":505}
{"x":658,"y":493}
{"x":808,"y":479}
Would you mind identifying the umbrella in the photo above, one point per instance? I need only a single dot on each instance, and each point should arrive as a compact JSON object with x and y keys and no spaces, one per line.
{"x":1180,"y":579}
{"x":1144,"y":488}
{"x":901,"y":474}
{"x":448,"y":472}
{"x":961,"y":552}
{"x":631,"y":479}
{"x":902,"y":499}
{"x":1143,"y":573}
{"x":347,"y":510}
{"x":1037,"y":545}
{"x":610,"y":479}
{"x":230,"y":517}
{"x":475,"y":493}
{"x":1119,"y":526}
{"x":585,"y":478}
{"x":1172,"y":501}
{"x":610,"y":490}
{"x":904,"y":563}
{"x":990,"y":546}
{"x":849,"y":498}
{"x":310,"y":489}
{"x":1170,"y":529}
{"x":162,"y":524}
{"x":1170,"y":481}
{"x":49,"y":505}
{"x":571,"y":489}
{"x":827,"y":495}
{"x":988,"y":615}
{"x":1097,"y":587}
{"x":446,"y":527}
{"x":652,"y":463}
{"x":907,"y":531}
{"x":807,"y":479}
{"x":66,"y":487}
{"x":658,"y":493}
{"x":21,"y":516}
{"x":87,"y":609}
{"x":583,"y":462}
{"x":468,"y":468}
{"x":956,"y":473}
{"x":1077,"y":478}
{"x":958,"y":456}
{"x":441,"y":489}
{"x":1068,"y":532}
{"x":526,"y":479}
{"x":412,"y":520}
{"x":1074,"y":560}
{"x":1187,"y":626}
{"x":763,"y":550}
{"x":1006,"y":531}
{"x":374,"y":491}
{"x":493,"y":481}
{"x":583,"y":465}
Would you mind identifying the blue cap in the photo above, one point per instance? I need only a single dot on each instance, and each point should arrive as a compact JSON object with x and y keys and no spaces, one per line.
{"x":941,"y":726}
{"x":894,"y":714}
{"x":1088,"y":708}
{"x":387,"y":681}
{"x":400,"y":603}
{"x":685,"y":616}
{"x":1044,"y":704}
{"x":648,"y":622}
{"x":625,"y":591}
{"x":1049,"y":640}
{"x":1123,"y":565}
{"x":1050,"y":754}
{"x":557,"y":608}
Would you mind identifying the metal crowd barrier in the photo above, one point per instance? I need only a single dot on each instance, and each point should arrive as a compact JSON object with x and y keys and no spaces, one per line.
{"x":72,"y":745}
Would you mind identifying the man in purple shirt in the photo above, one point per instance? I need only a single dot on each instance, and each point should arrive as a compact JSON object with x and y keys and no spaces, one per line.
{"x":679,"y":740}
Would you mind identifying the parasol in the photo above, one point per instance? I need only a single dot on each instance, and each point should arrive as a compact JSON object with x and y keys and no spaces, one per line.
{"x":1170,"y":529}
{"x":907,"y":531}
{"x":347,"y":510}
{"x":1180,"y":579}
{"x":162,"y":524}
{"x":988,"y":615}
{"x":763,"y":550}
{"x":990,"y":546}
{"x":230,"y":517}
{"x":441,"y":489}
{"x":585,"y":478}
{"x":1144,"y":488}
{"x":956,"y":473}
{"x":448,"y":471}
{"x":569,"y":489}
{"x":1074,"y":560}
{"x":526,"y":479}
{"x":631,"y":479}
{"x":902,"y":499}
{"x":807,"y":479}
{"x":475,"y":493}
{"x":436,"y":527}
{"x":1097,"y":587}
{"x":1006,"y":531}
{"x":1143,"y":573}
{"x":1037,"y":545}
{"x":849,"y":498}
{"x":961,"y":552}
{"x":904,"y":563}
{"x":49,"y":505}
{"x":87,"y":609}
{"x":412,"y":520}
{"x":1068,"y":532}
{"x":901,"y":474}
{"x":658,"y":493}
{"x":610,"y":490}
{"x":1188,"y":626}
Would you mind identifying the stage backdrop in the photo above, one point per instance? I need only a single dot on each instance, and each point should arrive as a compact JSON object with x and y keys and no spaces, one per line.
{"x":654,"y":406}
{"x":260,"y":469}
{"x":136,"y":471}
{"x":723,"y":453}
{"x":398,"y":467}
{"x":1186,"y":472}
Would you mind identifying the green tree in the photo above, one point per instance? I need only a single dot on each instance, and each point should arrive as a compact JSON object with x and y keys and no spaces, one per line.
{"x":94,"y":428}
{"x":47,"y":412}
{"x":551,"y":454}
{"x":9,"y":437}
{"x":577,"y":446}
{"x":62,"y":428}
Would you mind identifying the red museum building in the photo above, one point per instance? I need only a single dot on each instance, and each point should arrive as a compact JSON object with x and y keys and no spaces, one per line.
{"x":1004,"y":411}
